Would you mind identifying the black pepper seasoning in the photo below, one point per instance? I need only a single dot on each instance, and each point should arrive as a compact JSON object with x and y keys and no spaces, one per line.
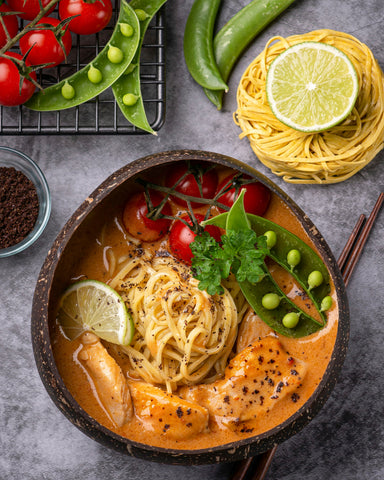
{"x":19,"y":206}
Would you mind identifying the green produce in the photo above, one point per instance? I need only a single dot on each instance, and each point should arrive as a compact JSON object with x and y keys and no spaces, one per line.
{"x":129,"y":83}
{"x":100,"y":74}
{"x":236,"y":35}
{"x":259,"y":293}
{"x":198,"y":45}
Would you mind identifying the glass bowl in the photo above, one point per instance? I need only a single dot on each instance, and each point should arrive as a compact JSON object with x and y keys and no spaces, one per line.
{"x":10,"y":157}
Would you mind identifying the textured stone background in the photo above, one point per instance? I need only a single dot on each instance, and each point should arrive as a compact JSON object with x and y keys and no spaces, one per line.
{"x":345,"y":441}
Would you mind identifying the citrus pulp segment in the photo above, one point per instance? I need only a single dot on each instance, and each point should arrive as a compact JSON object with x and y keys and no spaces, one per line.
{"x":312,"y":86}
{"x":90,"y":305}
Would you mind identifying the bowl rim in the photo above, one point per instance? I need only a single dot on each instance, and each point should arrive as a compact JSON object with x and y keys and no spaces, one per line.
{"x":237,"y":450}
{"x":44,"y":207}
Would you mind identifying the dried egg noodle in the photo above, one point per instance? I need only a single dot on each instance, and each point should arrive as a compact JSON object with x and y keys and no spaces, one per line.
{"x":330,"y":156}
{"x":183,"y":335}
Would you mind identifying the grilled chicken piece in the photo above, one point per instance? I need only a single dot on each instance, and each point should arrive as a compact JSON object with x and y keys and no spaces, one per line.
{"x":254,"y":382}
{"x":251,"y":329}
{"x":110,"y":384}
{"x":167,"y":414}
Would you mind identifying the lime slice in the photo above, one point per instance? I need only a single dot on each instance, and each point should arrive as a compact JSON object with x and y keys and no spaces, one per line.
{"x":312,"y":86}
{"x":90,"y":305}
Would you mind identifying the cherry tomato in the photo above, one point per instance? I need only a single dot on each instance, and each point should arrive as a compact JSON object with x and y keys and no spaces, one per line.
{"x":189,"y":185}
{"x":29,"y":8}
{"x":10,"y":94}
{"x":181,"y":236}
{"x":93,"y":16}
{"x":46,"y":48}
{"x":11,"y":24}
{"x":256,"y":198}
{"x":135,"y":217}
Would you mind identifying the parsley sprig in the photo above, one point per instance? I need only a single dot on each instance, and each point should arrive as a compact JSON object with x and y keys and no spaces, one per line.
{"x":241,"y":253}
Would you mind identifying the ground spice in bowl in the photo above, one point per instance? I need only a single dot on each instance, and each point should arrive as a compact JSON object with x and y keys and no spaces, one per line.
{"x":19,"y":206}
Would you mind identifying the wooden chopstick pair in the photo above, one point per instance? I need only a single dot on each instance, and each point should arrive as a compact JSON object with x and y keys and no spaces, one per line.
{"x":256,"y":468}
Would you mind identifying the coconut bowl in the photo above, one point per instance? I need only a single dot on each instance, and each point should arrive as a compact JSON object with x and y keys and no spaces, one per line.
{"x":55,"y":275}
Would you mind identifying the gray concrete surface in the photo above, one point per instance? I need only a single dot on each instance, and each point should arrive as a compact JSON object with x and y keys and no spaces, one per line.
{"x":345,"y":441}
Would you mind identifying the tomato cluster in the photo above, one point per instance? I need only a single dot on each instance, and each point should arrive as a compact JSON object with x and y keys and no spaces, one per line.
{"x":180,"y":228}
{"x":47,"y":44}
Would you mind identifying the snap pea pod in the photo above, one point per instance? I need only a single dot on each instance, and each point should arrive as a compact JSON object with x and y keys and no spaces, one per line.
{"x":286,"y":242}
{"x":237,"y":34}
{"x":237,"y":219}
{"x":198,"y":44}
{"x":127,"y":89}
{"x":100,"y":74}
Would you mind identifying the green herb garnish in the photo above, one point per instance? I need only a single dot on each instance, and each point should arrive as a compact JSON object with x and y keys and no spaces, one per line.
{"x":241,"y":253}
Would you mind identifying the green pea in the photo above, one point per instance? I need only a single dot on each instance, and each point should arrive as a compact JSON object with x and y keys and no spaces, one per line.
{"x":271,"y":238}
{"x":131,"y":67}
{"x":326,"y":303}
{"x":94,"y":75}
{"x":141,"y":14}
{"x":129,"y":99}
{"x":293,"y":258}
{"x":115,"y":55}
{"x":126,"y":29}
{"x":315,"y":279}
{"x":67,"y":91}
{"x":270,"y":301}
{"x":290,"y":320}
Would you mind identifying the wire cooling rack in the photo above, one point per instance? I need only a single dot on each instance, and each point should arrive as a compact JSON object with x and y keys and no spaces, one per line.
{"x":102,"y":114}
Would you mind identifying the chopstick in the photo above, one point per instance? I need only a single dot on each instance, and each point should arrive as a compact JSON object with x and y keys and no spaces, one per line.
{"x":255,"y":468}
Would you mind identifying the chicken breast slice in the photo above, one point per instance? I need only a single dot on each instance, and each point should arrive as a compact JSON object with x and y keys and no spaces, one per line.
{"x":255,"y":380}
{"x":110,"y":384}
{"x":251,"y":329}
{"x":167,"y":414}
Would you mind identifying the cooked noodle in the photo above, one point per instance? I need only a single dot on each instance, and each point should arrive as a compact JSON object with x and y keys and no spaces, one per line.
{"x":326,"y":157}
{"x":183,"y":335}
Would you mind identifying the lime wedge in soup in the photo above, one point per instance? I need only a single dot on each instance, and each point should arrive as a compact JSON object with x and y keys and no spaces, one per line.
{"x":312,"y":86}
{"x":90,"y":305}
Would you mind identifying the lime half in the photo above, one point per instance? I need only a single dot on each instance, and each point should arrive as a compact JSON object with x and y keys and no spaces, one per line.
{"x":312,"y":86}
{"x":90,"y":305}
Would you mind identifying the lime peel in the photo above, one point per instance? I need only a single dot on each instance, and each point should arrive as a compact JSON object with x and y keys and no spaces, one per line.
{"x":312,"y":86}
{"x":91,"y":305}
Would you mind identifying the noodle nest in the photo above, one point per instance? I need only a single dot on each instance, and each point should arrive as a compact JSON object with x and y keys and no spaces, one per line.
{"x":183,"y":335}
{"x":330,"y":156}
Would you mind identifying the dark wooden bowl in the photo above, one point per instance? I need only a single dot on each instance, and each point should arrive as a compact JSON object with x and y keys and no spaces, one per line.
{"x":55,"y":275}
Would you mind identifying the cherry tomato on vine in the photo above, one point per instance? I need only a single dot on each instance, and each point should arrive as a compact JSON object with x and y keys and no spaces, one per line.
{"x":181,"y":236}
{"x":11,"y":24}
{"x":93,"y":15}
{"x":135,"y":217}
{"x":256,"y":199}
{"x":46,"y":47}
{"x":10,"y":94}
{"x":189,"y":185}
{"x":29,"y":8}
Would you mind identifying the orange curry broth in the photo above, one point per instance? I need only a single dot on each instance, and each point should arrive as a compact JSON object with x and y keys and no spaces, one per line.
{"x":315,"y":349}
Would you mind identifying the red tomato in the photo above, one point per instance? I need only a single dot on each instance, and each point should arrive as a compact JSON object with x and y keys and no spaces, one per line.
{"x":181,"y":236}
{"x":256,"y":198}
{"x":135,"y":217}
{"x":29,"y":8}
{"x":46,"y":48}
{"x":11,"y":24}
{"x":92,"y":16}
{"x":189,"y":186}
{"x":10,"y":94}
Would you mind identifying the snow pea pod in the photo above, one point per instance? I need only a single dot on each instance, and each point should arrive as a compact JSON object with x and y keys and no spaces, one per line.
{"x":100,"y":74}
{"x":236,"y":219}
{"x":236,"y":35}
{"x":127,"y":89}
{"x":198,"y":44}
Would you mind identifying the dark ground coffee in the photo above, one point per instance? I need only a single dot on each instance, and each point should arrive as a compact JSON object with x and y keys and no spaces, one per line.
{"x":19,"y":206}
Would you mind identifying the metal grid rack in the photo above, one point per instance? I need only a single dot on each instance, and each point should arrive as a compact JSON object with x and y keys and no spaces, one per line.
{"x":100,"y":115}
